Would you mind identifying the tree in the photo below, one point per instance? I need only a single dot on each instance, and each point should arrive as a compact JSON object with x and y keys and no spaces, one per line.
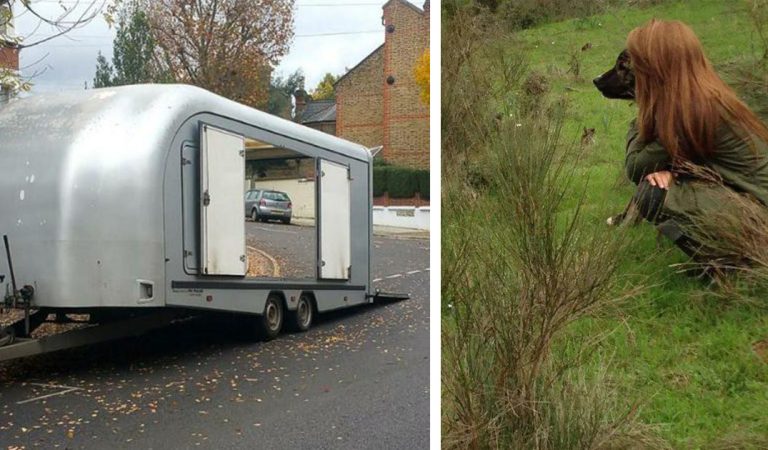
{"x":69,"y":16}
{"x":226,"y":46}
{"x":421,"y":74}
{"x":133,"y":50}
{"x":324,"y":89}
{"x":104,"y":73}
{"x":281,"y":94}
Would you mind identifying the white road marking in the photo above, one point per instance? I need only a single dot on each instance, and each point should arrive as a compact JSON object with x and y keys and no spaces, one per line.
{"x":274,"y":230}
{"x":398,"y":275}
{"x":273,"y":261}
{"x":67,"y":389}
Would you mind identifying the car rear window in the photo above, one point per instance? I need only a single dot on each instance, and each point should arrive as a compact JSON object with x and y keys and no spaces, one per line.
{"x":276,"y":196}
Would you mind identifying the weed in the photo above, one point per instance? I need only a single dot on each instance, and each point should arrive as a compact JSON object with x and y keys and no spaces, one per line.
{"x":519,"y":265}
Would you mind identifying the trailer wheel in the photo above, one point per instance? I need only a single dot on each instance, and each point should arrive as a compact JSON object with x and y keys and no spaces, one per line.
{"x":271,"y":322}
{"x":301,"y":319}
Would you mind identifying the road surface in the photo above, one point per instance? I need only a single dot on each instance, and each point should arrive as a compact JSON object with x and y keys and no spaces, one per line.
{"x":357,"y":379}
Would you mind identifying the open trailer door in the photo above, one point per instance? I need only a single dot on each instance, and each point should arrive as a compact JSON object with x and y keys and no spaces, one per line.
{"x":335,"y":233}
{"x":222,"y":170}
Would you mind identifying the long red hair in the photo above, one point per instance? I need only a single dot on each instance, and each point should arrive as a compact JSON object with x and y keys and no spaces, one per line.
{"x":681,"y":99}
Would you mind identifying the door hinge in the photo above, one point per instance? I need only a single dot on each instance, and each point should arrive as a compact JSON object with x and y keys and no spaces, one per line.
{"x":242,"y":258}
{"x":206,"y":198}
{"x":242,"y":153}
{"x":188,"y":253}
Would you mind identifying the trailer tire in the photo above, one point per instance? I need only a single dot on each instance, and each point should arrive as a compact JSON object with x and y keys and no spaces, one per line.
{"x":271,"y":321}
{"x":301,"y":319}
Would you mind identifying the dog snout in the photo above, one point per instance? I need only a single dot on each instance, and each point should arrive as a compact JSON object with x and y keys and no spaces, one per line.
{"x":596,"y":80}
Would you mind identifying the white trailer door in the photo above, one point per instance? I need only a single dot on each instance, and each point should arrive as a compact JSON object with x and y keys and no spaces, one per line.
{"x":335,"y":236}
{"x":222,"y":166}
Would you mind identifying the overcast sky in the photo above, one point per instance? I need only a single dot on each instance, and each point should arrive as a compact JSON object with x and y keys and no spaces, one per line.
{"x":330,"y":36}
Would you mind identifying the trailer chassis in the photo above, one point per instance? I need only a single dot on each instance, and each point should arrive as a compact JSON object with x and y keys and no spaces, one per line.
{"x":16,"y":344}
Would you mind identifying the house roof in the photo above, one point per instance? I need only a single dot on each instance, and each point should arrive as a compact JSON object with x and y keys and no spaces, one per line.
{"x":319,"y":111}
{"x":379,"y":48}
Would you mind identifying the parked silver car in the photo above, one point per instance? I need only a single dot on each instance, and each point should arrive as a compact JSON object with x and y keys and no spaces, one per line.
{"x":264,"y":205}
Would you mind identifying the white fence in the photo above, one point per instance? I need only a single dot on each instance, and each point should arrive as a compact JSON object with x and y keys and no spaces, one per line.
{"x":402,"y":217}
{"x":302,"y":193}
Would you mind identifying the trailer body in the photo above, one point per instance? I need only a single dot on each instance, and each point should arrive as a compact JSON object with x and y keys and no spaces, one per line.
{"x":123,"y":197}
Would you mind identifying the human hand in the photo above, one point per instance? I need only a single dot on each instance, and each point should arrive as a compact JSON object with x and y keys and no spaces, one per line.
{"x":661,"y":179}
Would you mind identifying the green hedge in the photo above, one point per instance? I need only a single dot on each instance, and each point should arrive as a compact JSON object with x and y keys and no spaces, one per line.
{"x":400,"y":182}
{"x":423,"y":176}
{"x":380,"y":180}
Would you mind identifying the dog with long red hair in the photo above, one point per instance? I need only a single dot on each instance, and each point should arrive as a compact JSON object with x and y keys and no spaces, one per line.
{"x":687,"y":117}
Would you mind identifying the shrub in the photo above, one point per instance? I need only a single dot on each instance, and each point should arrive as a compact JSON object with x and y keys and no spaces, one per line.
{"x":523,"y":14}
{"x":380,"y":176}
{"x":519,"y":266}
{"x":423,"y":182}
{"x":400,"y":182}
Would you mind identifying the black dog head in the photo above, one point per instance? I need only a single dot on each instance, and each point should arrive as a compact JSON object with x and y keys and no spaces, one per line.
{"x":619,"y":82}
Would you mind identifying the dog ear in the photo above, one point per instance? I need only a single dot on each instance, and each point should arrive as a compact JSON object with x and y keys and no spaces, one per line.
{"x":624,"y":60}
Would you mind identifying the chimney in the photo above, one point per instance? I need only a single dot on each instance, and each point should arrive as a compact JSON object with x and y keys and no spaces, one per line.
{"x":426,"y":6}
{"x":301,"y":104}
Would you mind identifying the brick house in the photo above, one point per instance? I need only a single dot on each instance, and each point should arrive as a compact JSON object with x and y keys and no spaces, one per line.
{"x":9,"y":55}
{"x":377,"y":101}
{"x":9,"y":58}
{"x":317,"y":114}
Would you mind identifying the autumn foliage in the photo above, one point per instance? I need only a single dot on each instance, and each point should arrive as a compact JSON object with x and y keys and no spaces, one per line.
{"x":225,"y":46}
{"x":325,"y":89}
{"x":421,"y":73}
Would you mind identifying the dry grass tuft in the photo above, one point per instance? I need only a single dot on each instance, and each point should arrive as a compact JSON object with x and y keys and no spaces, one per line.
{"x":519,"y":265}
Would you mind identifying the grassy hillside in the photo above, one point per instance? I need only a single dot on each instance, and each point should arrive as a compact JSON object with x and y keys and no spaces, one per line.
{"x":687,"y":355}
{"x":693,"y":360}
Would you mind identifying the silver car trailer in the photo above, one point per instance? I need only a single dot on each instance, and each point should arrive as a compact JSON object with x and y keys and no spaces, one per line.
{"x":127,"y":204}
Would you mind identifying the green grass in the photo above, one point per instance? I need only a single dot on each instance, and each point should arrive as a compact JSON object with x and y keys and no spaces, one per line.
{"x":683,"y":354}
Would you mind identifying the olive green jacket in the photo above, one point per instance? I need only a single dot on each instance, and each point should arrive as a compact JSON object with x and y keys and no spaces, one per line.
{"x":741,"y":167}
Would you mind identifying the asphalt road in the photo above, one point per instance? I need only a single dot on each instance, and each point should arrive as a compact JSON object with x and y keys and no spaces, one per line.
{"x":293,"y":247}
{"x":357,"y":379}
